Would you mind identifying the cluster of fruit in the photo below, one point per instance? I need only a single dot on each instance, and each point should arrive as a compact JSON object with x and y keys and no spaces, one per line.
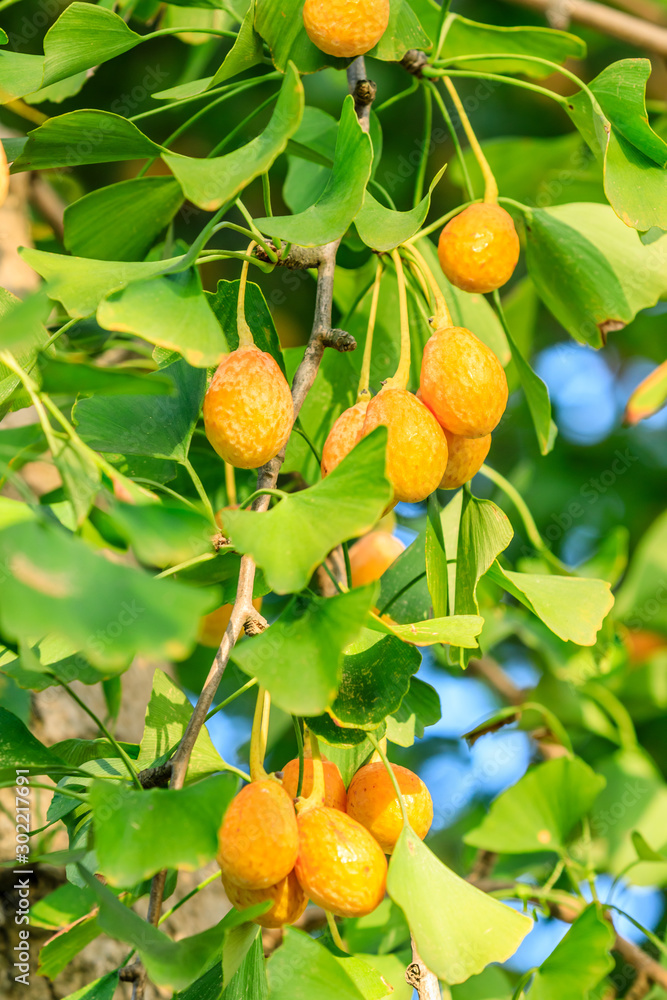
{"x":327,"y":846}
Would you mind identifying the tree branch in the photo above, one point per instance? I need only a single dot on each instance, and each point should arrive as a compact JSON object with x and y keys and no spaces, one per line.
{"x":421,"y":978}
{"x":243,"y":613}
{"x":608,"y":21}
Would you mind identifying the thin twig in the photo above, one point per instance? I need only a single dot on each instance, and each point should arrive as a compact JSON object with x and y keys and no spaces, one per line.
{"x":421,"y":978}
{"x":605,"y":19}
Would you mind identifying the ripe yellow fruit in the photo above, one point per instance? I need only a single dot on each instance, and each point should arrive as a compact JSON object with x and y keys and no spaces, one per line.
{"x":248,"y":411}
{"x":213,"y":626}
{"x":463,"y":383}
{"x":416,"y":445}
{"x":371,"y":555}
{"x":372,"y":802}
{"x":258,"y":839}
{"x":335,"y":796}
{"x":289,"y":901}
{"x":479,"y":248}
{"x":343,"y":436}
{"x":345,"y":27}
{"x":466,"y":457}
{"x":340,"y":866}
{"x":4,"y":175}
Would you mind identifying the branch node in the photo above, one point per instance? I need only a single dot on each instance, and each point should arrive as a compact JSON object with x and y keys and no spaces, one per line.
{"x":156,"y":777}
{"x":340,"y":340}
{"x":414,"y":61}
{"x":255,"y":623}
{"x":364,"y":94}
{"x":298,"y":258}
{"x":130,"y":973}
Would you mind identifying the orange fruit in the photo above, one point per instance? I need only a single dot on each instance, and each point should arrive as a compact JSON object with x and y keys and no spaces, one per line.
{"x":343,"y":436}
{"x":340,"y":866}
{"x":642,"y":643}
{"x":289,"y":900}
{"x":372,"y":802}
{"x":416,"y":445}
{"x":4,"y":175}
{"x":258,"y":841}
{"x":335,"y":796}
{"x":479,"y":248}
{"x":248,"y":411}
{"x":213,"y":626}
{"x":462,"y":382}
{"x":345,"y":27}
{"x":371,"y":555}
{"x":466,"y":457}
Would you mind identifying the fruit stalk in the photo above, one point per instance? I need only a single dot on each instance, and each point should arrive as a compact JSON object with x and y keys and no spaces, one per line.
{"x":441,"y":316}
{"x":490,"y":186}
{"x":402,"y":377}
{"x":246,"y":338}
{"x":316,"y":797}
{"x":260,"y":733}
{"x":365,"y":376}
{"x":394,"y":781}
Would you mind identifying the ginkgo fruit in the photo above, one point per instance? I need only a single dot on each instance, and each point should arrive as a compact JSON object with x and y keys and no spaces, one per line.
{"x":372,"y":801}
{"x":258,"y":841}
{"x":466,"y":457}
{"x":340,"y":865}
{"x":335,"y":796}
{"x":479,"y":248}
{"x":4,"y":175}
{"x":343,"y":436}
{"x":345,"y":27}
{"x":288,"y":898}
{"x":416,"y":455}
{"x":372,"y":555}
{"x":248,"y":410}
{"x":462,"y":382}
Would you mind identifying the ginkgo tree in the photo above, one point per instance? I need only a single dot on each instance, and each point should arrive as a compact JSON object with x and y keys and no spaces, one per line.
{"x":152,"y":545}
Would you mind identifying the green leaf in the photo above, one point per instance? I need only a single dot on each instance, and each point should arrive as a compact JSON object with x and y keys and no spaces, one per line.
{"x":403,"y":32}
{"x":73,"y":377}
{"x":84,"y":36}
{"x":484,"y":532}
{"x":404,"y":593}
{"x":579,"y":962}
{"x":328,"y":731}
{"x":299,"y":658}
{"x":303,"y":968}
{"x":644,"y":851}
{"x":22,"y":322}
{"x":290,"y":541}
{"x":170,"y":311}
{"x":138,"y":833}
{"x":343,"y":196}
{"x":62,"y":906}
{"x":81,"y":477}
{"x":174,"y":964}
{"x":210,"y":183}
{"x":81,"y":283}
{"x":592,"y":272}
{"x":384,"y":229}
{"x":573,"y":607}
{"x":20,"y":74}
{"x":459,"y":630}
{"x":246,"y":52}
{"x":163,"y":534}
{"x":458,"y":930}
{"x":84,"y":137}
{"x":58,"y":584}
{"x":621,"y":93}
{"x":537,"y":397}
{"x":348,"y":759}
{"x":77,"y":752}
{"x":644,"y":580}
{"x":375,"y":679}
{"x":551,"y":798}
{"x":649,"y":396}
{"x":59,"y":951}
{"x":99,"y":989}
{"x":491,"y":984}
{"x":160,"y":426}
{"x":281,"y":27}
{"x":419,"y":708}
{"x":223,"y":303}
{"x":465,"y":38}
{"x":41,"y":664}
{"x":19,"y":748}
{"x":167,"y":717}
{"x":249,"y":981}
{"x":141,"y":208}
{"x":634,"y":185}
